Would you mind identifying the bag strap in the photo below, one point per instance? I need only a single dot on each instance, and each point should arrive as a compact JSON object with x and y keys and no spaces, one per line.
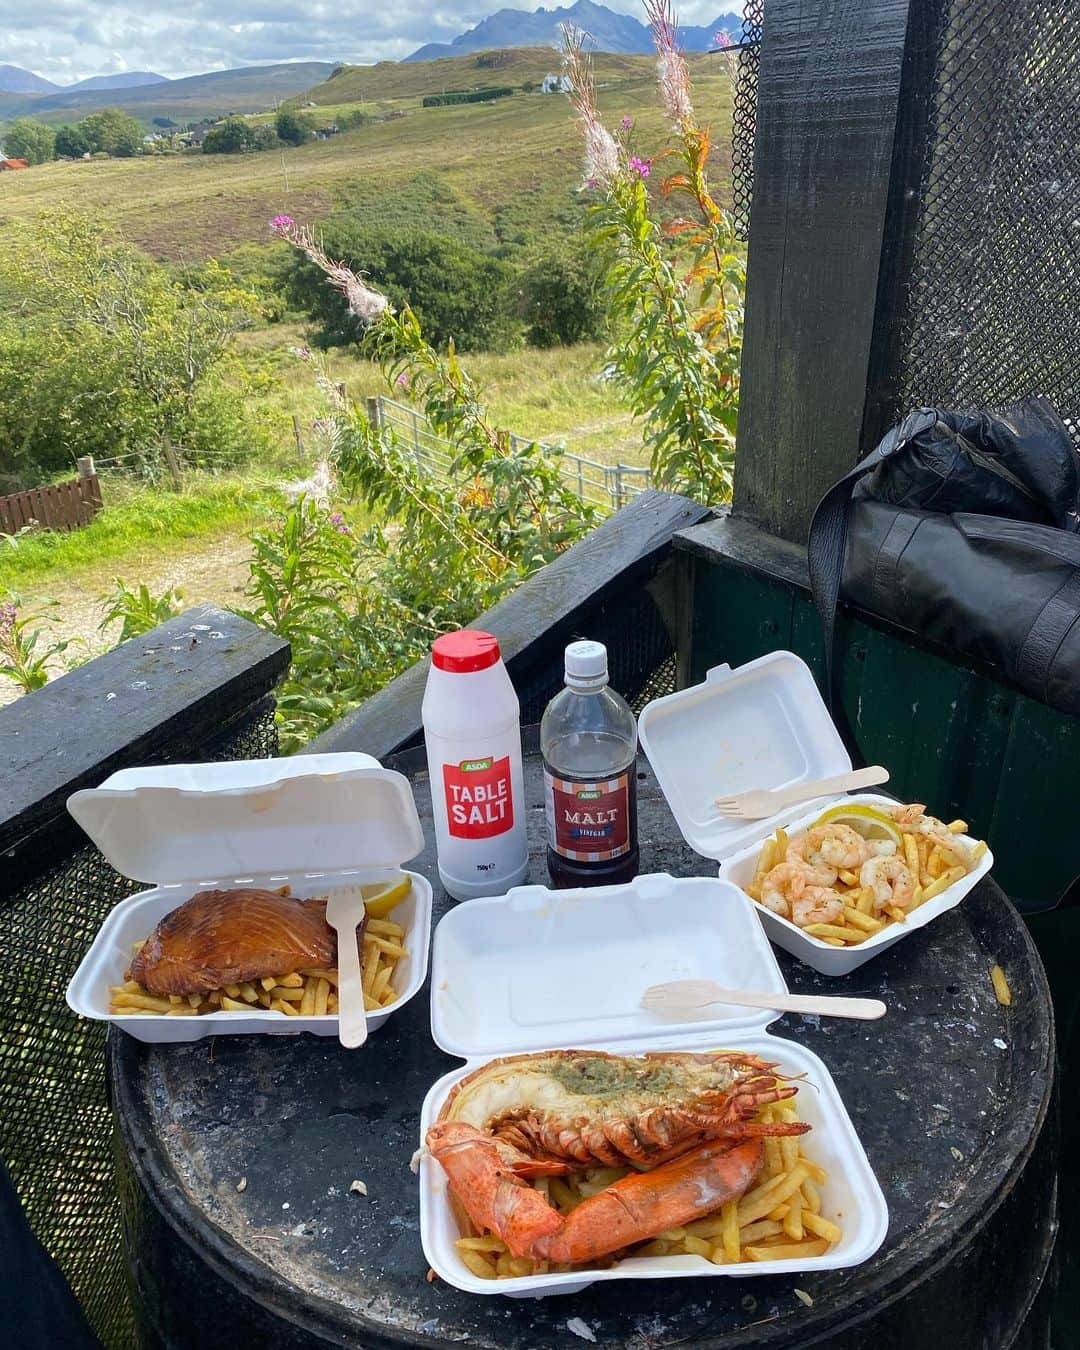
{"x":825,"y":553}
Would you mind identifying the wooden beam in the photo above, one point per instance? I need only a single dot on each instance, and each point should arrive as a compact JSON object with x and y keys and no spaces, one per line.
{"x":828,"y":99}
{"x":168,"y":694}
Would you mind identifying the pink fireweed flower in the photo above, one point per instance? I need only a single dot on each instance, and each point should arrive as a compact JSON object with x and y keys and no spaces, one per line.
{"x":627,"y":124}
{"x":336,"y":518}
{"x":281,"y":223}
{"x":642,"y":167}
{"x":343,"y":529}
{"x":402,"y":380}
{"x":673,"y":75}
{"x":723,"y":39}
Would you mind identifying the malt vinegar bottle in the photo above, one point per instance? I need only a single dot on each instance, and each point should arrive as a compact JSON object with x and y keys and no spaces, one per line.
{"x":588,"y":738}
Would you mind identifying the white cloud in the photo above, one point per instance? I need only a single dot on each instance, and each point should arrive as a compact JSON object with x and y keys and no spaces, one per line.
{"x":67,"y":40}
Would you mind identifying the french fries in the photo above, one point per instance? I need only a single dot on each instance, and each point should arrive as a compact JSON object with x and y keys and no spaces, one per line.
{"x":778,"y":1219}
{"x":935,"y":862}
{"x":299,"y":993}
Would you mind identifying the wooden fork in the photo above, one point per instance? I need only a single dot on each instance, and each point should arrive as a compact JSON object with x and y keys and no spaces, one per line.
{"x":681,"y":995}
{"x":756,"y":803}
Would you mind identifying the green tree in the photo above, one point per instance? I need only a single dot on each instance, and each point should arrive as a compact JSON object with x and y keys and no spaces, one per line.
{"x":71,"y":142}
{"x":456,"y":292}
{"x":561,"y":296}
{"x":113,"y":132}
{"x":27,"y":138}
{"x":291,"y":128}
{"x":104,"y":352}
{"x":234,"y":136}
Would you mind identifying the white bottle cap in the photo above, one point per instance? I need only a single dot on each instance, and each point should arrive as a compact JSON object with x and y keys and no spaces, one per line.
{"x":586,"y":665}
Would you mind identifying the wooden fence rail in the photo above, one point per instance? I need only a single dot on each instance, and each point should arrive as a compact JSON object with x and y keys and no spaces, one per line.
{"x":56,"y":506}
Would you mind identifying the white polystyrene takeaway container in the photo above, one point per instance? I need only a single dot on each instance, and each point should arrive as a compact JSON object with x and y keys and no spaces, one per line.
{"x":538,"y":969}
{"x":309,"y":821}
{"x":764,"y":725}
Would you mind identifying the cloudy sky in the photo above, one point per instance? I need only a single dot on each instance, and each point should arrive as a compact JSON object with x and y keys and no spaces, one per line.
{"x":67,"y":40}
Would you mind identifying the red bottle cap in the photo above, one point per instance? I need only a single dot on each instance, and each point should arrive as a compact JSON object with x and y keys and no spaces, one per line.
{"x":465,"y":651}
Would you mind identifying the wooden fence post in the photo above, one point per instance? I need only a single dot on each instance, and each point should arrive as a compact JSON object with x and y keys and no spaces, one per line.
{"x":89,"y":484}
{"x":374,"y":412}
{"x":298,"y":435}
{"x":172,"y":461}
{"x":829,"y":225}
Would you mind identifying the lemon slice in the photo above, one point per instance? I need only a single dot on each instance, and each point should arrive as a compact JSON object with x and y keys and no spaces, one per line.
{"x":381,"y":897}
{"x":867,"y":820}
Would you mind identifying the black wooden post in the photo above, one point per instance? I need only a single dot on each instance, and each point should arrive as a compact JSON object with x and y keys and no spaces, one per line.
{"x":840,"y":141}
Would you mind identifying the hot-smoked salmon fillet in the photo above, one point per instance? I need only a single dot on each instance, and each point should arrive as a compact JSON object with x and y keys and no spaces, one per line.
{"x":225,"y":937}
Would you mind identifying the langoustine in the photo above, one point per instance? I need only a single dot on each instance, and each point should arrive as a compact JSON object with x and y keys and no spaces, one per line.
{"x":682,"y":1120}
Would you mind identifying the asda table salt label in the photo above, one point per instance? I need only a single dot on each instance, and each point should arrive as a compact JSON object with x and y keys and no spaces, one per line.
{"x":479,"y":800}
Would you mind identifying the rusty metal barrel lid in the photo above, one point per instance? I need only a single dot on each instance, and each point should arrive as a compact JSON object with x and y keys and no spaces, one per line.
{"x":238,"y":1156}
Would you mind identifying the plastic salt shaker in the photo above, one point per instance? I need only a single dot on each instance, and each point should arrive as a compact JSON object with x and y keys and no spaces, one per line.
{"x":472,"y":730}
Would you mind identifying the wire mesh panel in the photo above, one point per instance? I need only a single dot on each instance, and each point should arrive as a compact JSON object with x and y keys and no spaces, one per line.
{"x":744,"y":114}
{"x":992,"y":310}
{"x":55,"y":1123}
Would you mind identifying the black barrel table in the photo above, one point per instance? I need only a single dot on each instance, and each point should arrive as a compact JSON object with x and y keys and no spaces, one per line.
{"x":237,"y":1158}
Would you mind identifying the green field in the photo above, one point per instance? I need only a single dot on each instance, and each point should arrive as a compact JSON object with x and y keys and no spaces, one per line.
{"x":498,"y":173}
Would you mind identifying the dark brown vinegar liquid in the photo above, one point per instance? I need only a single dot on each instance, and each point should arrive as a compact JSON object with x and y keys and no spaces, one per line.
{"x":567,"y":873}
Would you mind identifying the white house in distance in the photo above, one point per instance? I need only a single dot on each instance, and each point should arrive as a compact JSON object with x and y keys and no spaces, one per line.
{"x":556,"y":84}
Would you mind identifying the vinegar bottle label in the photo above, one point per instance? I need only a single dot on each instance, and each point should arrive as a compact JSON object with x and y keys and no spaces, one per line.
{"x":588,"y":821}
{"x":479,"y":802}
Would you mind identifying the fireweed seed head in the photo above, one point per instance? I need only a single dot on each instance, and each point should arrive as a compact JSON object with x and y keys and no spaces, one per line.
{"x":674,"y":81}
{"x":601,"y":154}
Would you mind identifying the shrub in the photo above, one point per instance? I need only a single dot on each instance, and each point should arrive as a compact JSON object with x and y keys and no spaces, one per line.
{"x":465,"y":96}
{"x":138,"y":611}
{"x":71,"y":143}
{"x":561,"y":297}
{"x":350,"y":121}
{"x":358,"y":609}
{"x":456,"y":292}
{"x":112,"y":132}
{"x":673,"y":288}
{"x":291,"y":128}
{"x":103,"y":351}
{"x":27,"y":138}
{"x":233,"y":136}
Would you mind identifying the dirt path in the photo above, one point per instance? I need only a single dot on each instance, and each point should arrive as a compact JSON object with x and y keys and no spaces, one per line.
{"x":217,"y":572}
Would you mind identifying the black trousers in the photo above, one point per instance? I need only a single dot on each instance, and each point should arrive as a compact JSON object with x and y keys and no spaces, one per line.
{"x":37,"y":1309}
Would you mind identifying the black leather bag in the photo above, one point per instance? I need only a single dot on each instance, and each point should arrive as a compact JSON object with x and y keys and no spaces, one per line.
{"x":962,"y":529}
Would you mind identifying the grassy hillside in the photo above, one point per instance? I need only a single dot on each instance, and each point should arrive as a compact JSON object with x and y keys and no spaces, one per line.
{"x":224,"y":91}
{"x":515,"y":66}
{"x":496,"y":173}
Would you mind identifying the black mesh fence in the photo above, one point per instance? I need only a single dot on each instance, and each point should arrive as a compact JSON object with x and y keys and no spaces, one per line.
{"x":55,"y":1122}
{"x":993,"y":308}
{"x":744,"y":113}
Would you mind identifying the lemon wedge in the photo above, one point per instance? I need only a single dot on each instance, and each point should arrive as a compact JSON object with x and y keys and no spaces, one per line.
{"x":382,"y":896}
{"x":867,"y":820}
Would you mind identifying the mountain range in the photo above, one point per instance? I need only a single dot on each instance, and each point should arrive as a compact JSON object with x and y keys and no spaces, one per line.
{"x":610,"y":32}
{"x":15,"y":80}
{"x":245,"y":90}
